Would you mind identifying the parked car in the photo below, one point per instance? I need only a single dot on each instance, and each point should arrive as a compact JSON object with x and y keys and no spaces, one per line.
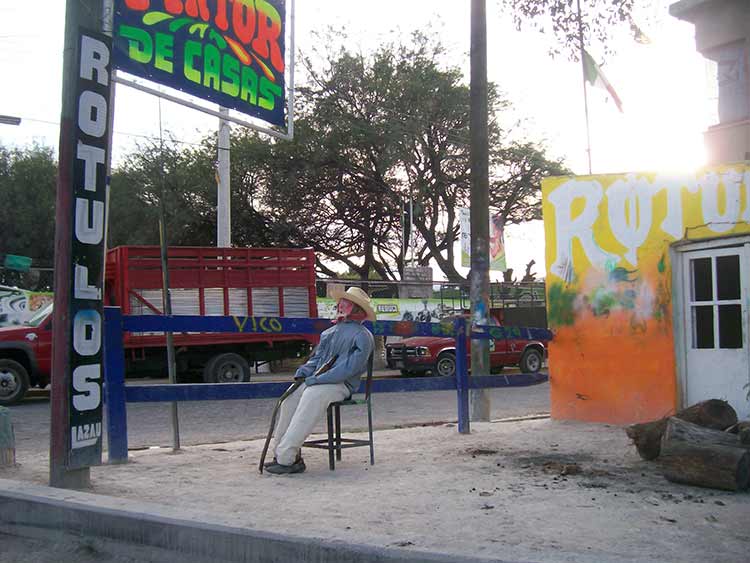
{"x":421,"y":354}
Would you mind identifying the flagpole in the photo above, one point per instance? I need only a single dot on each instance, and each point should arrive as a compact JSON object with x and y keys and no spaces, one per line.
{"x":585,"y":93}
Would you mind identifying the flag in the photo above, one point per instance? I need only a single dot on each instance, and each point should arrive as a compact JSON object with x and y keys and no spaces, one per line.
{"x":595,"y":77}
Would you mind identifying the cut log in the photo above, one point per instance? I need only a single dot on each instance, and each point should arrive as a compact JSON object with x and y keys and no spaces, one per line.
{"x":691,"y":455}
{"x":713,"y":413}
{"x":678,"y":430}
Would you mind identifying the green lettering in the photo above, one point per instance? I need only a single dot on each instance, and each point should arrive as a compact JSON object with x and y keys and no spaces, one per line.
{"x":140,"y":46}
{"x":164,"y":52}
{"x":249,"y":88}
{"x":231,"y":71}
{"x":211,"y":67}
{"x":268,"y":93}
{"x":192,"y":50}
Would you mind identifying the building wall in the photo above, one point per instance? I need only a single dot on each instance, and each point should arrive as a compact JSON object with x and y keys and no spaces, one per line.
{"x":609,"y":283}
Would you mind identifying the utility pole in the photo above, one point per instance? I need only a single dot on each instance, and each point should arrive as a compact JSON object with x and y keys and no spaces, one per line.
{"x":480,"y":205}
{"x":223,"y":207}
{"x":78,"y":14}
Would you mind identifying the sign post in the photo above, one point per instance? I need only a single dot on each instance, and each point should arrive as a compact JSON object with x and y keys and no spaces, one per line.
{"x":77,"y":364}
{"x":480,"y":274}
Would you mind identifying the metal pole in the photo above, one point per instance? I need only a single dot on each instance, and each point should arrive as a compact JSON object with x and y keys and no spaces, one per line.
{"x":78,"y":13}
{"x":585,"y":92}
{"x":224,"y":205}
{"x":166,"y":298}
{"x":480,"y":204}
{"x":412,"y":237}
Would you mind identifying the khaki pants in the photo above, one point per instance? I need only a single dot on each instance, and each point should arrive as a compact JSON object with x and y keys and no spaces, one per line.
{"x":299,"y":414}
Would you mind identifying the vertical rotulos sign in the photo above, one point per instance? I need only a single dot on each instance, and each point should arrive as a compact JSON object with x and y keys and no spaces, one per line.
{"x":87,"y":250}
{"x":230,"y":52}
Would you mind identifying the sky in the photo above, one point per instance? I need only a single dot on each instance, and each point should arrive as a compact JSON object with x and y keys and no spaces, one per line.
{"x":663,"y":86}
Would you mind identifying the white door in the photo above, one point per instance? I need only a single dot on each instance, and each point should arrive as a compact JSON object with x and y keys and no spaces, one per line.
{"x":716,"y":331}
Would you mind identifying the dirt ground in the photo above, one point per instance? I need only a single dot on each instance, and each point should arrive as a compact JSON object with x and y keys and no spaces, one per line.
{"x":529,"y":490}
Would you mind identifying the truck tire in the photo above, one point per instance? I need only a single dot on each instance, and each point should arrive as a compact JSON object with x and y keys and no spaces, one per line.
{"x":445,"y":366}
{"x":226,"y":368}
{"x":531,"y":361}
{"x":14,"y":382}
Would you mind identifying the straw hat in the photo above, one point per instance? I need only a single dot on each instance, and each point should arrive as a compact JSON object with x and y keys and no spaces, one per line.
{"x":357,"y":296}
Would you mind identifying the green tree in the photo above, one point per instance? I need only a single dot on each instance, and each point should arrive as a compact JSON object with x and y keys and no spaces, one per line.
{"x":185,"y":175}
{"x":600,"y":20}
{"x":374,"y":132}
{"x":27,"y":189}
{"x":515,"y":188}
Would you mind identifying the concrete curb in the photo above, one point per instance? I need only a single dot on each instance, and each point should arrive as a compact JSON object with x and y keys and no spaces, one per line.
{"x":150,"y":525}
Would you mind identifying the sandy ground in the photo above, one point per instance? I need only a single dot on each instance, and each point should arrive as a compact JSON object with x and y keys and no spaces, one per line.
{"x":531,"y":490}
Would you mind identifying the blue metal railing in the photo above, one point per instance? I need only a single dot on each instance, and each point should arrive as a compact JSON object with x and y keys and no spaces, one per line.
{"x":117,"y":394}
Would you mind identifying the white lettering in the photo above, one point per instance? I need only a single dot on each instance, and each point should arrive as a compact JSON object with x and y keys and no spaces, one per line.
{"x":92,"y":113}
{"x":85,"y":435}
{"x":710,"y":186}
{"x":86,"y":232}
{"x":94,"y":58}
{"x":86,"y":383}
{"x":87,"y":335}
{"x":91,"y":156}
{"x":630,"y":214}
{"x":673,"y":223}
{"x":81,"y":287}
{"x":581,"y":227}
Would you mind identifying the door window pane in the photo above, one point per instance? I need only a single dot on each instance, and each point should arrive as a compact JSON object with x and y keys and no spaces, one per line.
{"x":703,"y":326}
{"x":728,"y":277}
{"x":702,"y":286}
{"x":730,"y":326}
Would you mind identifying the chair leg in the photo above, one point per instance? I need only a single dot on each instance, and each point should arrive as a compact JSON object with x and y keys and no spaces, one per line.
{"x":331,"y":462}
{"x":337,"y":423}
{"x":369,"y":426}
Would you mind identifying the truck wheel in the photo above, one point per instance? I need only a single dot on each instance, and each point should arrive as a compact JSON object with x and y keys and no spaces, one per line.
{"x":226,"y":368}
{"x":14,"y":382}
{"x":531,"y":361}
{"x":446,"y":364}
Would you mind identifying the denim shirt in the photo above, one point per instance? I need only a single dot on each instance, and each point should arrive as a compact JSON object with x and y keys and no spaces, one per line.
{"x":353,"y":344}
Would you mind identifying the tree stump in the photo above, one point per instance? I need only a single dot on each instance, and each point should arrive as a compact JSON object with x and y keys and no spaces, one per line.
{"x":7,"y":439}
{"x":694,"y":455}
{"x":713,"y":413}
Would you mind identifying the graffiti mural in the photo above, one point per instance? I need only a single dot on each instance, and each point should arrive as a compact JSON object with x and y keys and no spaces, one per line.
{"x":19,"y":305}
{"x":609,"y":283}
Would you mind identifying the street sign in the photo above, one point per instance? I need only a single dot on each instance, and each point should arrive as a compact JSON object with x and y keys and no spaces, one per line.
{"x":18,"y":263}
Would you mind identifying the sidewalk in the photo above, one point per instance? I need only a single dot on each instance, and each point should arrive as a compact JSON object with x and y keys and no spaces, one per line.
{"x":530,"y":490}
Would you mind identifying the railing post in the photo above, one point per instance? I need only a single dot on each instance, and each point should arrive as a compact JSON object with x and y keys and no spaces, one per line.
{"x":462,"y":376}
{"x":114,"y":386}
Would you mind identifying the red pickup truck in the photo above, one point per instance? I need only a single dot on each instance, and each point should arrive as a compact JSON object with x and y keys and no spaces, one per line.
{"x":258,"y":282}
{"x":420,"y":354}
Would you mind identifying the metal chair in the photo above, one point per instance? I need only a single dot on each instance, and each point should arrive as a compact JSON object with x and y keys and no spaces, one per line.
{"x":334,"y":443}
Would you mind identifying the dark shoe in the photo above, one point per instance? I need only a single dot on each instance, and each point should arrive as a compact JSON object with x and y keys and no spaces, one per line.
{"x":277,"y":469}
{"x":268,"y":464}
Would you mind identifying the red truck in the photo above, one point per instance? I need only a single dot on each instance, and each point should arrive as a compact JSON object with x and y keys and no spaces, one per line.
{"x":420,"y":354}
{"x":259,"y":282}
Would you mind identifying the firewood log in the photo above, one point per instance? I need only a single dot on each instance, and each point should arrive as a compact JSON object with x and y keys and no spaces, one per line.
{"x":695,"y":455}
{"x":712,"y":413}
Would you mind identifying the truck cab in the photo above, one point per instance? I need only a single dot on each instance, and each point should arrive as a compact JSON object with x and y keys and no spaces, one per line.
{"x":25,"y":356}
{"x":421,"y":354}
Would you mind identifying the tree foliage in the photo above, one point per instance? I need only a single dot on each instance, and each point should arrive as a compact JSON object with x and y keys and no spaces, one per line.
{"x":27,"y":190}
{"x":560,"y":19}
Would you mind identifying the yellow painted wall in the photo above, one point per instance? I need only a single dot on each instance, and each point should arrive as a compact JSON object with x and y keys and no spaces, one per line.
{"x":609,"y":279}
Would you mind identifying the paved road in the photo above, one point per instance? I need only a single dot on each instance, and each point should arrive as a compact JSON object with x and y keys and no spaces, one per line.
{"x":201,"y":422}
